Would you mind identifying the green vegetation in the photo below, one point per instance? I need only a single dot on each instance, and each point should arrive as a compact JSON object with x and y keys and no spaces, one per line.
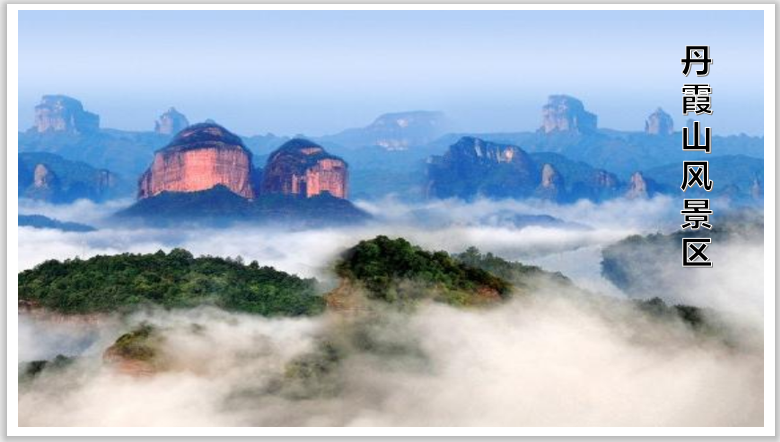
{"x":394,"y":270}
{"x":650,"y":265}
{"x":173,"y":280}
{"x":138,"y":344}
{"x":693,"y":316}
{"x":523,"y":277}
{"x":30,"y":370}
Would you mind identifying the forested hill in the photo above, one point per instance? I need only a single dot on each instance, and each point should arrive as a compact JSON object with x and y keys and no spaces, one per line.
{"x":177,"y":279}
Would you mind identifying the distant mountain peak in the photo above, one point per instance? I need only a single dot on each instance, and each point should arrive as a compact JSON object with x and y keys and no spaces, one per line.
{"x":564,"y":113}
{"x":396,"y":130}
{"x":60,"y":113}
{"x":659,"y":123}
{"x":171,"y":122}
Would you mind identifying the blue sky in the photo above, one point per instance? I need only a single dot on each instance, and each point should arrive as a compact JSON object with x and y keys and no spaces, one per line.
{"x":317,"y":72}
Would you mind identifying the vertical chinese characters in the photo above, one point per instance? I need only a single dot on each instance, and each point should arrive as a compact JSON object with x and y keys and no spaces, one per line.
{"x":696,"y":212}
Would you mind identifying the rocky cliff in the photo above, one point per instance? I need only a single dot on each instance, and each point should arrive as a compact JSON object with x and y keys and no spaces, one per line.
{"x":59,"y":113}
{"x":50,"y":177}
{"x":637,"y":186}
{"x":171,"y":122}
{"x":473,"y":167}
{"x":552,"y":185}
{"x":301,"y":167}
{"x":659,"y":123}
{"x":563,"y":113}
{"x":200,"y":157}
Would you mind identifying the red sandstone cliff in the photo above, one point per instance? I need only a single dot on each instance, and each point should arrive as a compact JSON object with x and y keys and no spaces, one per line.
{"x":200,"y":157}
{"x":300,"y":167}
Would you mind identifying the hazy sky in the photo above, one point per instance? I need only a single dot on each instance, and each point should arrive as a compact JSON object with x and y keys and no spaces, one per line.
{"x":319,"y":72}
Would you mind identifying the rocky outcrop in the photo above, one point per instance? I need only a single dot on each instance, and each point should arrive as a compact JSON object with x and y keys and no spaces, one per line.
{"x":137,"y":353}
{"x":395,"y":131}
{"x":473,"y":167}
{"x":303,"y":168}
{"x":171,"y":122}
{"x":49,"y":177}
{"x":59,"y":113}
{"x":604,"y":180}
{"x":659,"y":123}
{"x":563,"y":113}
{"x":200,"y":157}
{"x":637,"y":186}
{"x":43,"y":178}
{"x":552,"y":185}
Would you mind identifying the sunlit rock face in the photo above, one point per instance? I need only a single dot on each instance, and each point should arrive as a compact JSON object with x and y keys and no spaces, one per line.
{"x":59,"y":113}
{"x":200,"y":157}
{"x":301,"y":167}
{"x":659,"y":123}
{"x":171,"y":122}
{"x":563,"y":113}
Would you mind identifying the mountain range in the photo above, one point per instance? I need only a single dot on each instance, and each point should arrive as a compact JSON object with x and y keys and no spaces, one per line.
{"x":408,"y":154}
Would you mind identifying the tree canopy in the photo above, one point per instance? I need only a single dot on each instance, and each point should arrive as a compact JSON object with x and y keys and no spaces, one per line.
{"x":171,"y":280}
{"x":395,"y":270}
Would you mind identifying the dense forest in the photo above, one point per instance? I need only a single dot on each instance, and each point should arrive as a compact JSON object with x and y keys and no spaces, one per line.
{"x":395,"y":270}
{"x":173,"y":280}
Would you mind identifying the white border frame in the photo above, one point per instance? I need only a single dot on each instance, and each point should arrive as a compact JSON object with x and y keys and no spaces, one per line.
{"x":12,"y":418}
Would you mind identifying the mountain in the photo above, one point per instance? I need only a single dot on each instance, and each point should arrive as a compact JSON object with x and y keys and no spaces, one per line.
{"x":59,"y":113}
{"x":735,"y":176}
{"x":49,"y":177}
{"x":63,"y":127}
{"x":394,"y":131}
{"x":200,"y":157}
{"x":389,"y":156}
{"x":302,"y":168}
{"x":171,"y":122}
{"x":647,"y":266}
{"x":477,"y":168}
{"x":566,"y":114}
{"x":578,"y":179}
{"x":473,"y":167}
{"x":395,"y":271}
{"x":568,"y":129}
{"x":42,"y":222}
{"x":221,"y":207}
{"x":206,"y":175}
{"x":659,"y":123}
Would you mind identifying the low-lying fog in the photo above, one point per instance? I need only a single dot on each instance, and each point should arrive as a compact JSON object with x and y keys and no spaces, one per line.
{"x":546,"y":360}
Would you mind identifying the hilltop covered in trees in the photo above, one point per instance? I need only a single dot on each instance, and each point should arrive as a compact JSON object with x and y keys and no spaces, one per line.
{"x":174,"y":280}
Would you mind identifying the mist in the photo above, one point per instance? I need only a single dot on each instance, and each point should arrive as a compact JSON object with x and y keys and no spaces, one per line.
{"x":551,"y":358}
{"x":544,"y":360}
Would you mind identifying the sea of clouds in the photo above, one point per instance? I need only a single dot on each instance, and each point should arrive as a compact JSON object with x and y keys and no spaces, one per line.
{"x":545,"y":360}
